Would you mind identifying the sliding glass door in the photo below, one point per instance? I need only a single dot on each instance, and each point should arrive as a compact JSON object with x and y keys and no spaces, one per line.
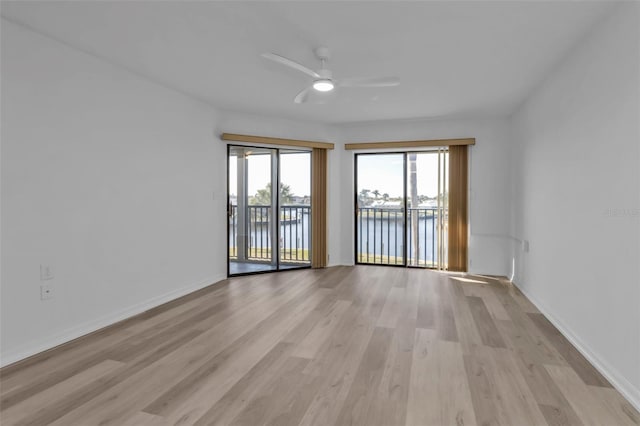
{"x":269,"y":229}
{"x":295,"y":208}
{"x":427,"y":213}
{"x":380,"y":209}
{"x":401,"y":208}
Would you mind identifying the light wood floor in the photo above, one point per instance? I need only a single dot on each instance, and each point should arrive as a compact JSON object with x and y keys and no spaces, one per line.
{"x":346,"y":345}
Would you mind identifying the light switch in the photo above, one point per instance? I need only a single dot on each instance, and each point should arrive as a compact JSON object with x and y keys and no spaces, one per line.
{"x":46,"y":272}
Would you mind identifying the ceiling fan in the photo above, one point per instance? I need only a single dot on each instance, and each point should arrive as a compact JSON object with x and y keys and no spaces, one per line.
{"x":323,"y":80}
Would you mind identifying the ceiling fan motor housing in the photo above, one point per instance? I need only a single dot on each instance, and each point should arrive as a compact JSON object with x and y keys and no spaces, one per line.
{"x":323,"y":53}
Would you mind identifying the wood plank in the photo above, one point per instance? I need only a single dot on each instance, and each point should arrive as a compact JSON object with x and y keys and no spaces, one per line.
{"x":489,"y":298}
{"x":579,"y":363}
{"x":55,"y":394}
{"x":237,"y":398}
{"x":338,"y":364}
{"x":587,"y":406}
{"x":427,"y":303}
{"x":392,"y":308}
{"x":524,"y":327}
{"x":390,"y":405}
{"x":361,"y":395}
{"x":145,"y":419}
{"x":446,"y":319}
{"x":438,"y":391}
{"x":485,"y":325}
{"x":524,"y":347}
{"x":619,"y":407}
{"x":482,"y":385}
{"x":295,"y":406}
{"x":524,"y":303}
{"x":270,"y":400}
{"x":554,"y":406}
{"x":500,"y":393}
{"x":466,"y":326}
{"x":557,"y":417}
{"x":325,"y":326}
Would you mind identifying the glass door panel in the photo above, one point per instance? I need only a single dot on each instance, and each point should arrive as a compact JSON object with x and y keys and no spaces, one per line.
{"x":251,"y":218}
{"x":295,"y":208}
{"x":426,"y":208}
{"x":387,"y":186}
{"x":380,"y":199}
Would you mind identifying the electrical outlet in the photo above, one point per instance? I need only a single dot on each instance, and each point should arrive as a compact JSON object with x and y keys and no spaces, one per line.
{"x":46,"y":272}
{"x":46,"y":292}
{"x":525,"y":246}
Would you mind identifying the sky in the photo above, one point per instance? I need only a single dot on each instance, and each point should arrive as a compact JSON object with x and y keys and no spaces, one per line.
{"x":383,"y":172}
{"x":295,"y":171}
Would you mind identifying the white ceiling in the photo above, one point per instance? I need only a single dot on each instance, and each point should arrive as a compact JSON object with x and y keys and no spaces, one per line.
{"x":454,"y":59}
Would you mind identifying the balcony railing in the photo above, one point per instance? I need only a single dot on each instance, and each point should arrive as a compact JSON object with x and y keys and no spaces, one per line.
{"x":295,"y":233}
{"x":381,"y":236}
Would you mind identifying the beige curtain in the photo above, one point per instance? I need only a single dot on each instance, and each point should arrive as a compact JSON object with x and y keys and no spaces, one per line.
{"x":458,"y":216}
{"x":319,"y":208}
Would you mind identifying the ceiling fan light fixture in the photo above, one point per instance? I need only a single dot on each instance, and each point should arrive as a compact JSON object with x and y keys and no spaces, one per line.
{"x":323,"y":85}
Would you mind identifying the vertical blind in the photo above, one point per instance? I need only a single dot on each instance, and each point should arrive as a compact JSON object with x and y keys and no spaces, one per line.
{"x":458,"y":215}
{"x":318,"y":208}
{"x":442,"y":209}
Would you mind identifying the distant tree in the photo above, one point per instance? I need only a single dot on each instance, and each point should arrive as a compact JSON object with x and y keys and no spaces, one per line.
{"x":364,"y":194}
{"x":376,"y":193}
{"x":385,"y":196}
{"x":286,"y":196}
{"x":263,"y":196}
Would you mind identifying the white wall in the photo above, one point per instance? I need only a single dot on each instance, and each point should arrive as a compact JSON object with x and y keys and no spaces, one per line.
{"x":118,"y":184}
{"x":489,"y":189}
{"x":577,"y":197}
{"x":108,"y":178}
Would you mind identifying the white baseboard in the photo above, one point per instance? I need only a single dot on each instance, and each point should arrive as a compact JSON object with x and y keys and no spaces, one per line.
{"x":72,"y":333}
{"x":626,"y":388}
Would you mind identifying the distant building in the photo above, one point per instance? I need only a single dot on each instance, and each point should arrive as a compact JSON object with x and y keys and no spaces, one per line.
{"x":297,"y":199}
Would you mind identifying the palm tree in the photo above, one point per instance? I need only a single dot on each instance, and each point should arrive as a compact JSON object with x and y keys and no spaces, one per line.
{"x":263,"y":196}
{"x":414,"y":203}
{"x":364,"y":196}
{"x":376,"y":193}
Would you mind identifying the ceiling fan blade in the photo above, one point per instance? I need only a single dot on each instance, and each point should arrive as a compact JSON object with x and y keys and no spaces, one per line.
{"x":369,"y":82}
{"x":302,"y":96}
{"x":291,"y":64}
